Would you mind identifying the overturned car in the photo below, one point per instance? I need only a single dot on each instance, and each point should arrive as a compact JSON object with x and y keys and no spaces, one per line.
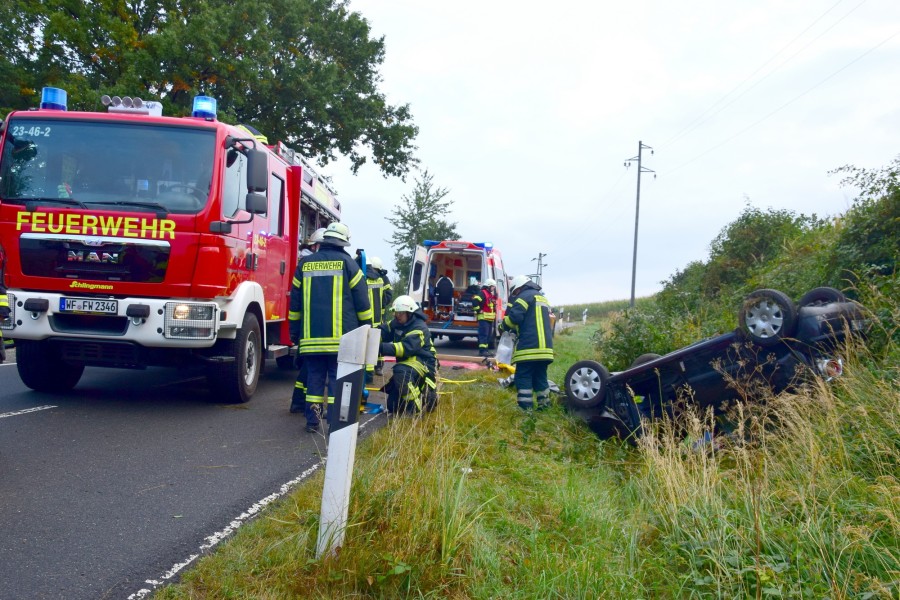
{"x":777,"y":344}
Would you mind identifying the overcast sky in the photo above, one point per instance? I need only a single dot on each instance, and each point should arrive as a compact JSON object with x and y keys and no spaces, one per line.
{"x":527,"y":112}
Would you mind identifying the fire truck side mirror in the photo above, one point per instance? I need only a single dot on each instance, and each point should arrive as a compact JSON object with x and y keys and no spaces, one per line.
{"x":257,"y":204}
{"x":257,"y":172}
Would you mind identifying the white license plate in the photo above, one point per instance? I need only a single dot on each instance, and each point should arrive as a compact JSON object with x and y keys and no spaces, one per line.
{"x":89,"y":305}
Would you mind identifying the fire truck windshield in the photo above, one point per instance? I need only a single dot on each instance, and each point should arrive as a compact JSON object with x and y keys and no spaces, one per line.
{"x":120,"y":166}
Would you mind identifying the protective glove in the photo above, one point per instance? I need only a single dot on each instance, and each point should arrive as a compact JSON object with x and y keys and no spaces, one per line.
{"x":4,"y":312}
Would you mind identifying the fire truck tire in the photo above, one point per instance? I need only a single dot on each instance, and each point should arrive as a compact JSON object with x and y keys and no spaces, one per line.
{"x":235,"y":382}
{"x":42,"y":368}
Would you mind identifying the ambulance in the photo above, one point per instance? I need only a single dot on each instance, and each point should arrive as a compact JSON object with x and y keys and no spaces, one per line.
{"x":450,"y":312}
{"x":130,"y":239}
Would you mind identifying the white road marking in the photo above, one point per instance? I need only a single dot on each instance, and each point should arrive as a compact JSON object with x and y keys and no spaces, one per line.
{"x":25,"y":411}
{"x":214,"y":539}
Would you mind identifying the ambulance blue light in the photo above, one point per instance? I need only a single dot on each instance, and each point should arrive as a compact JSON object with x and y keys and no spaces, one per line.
{"x":430,"y":243}
{"x":54,"y":99}
{"x":204,"y":107}
{"x":485,"y":245}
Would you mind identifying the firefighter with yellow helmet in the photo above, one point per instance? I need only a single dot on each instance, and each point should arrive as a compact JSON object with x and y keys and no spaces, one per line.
{"x":413,"y":382}
{"x":328,"y":299}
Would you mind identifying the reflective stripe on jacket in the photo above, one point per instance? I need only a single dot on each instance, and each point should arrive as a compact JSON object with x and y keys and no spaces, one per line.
{"x":411,"y":344}
{"x":329,"y":297}
{"x":528,"y":314}
{"x":484,"y":304}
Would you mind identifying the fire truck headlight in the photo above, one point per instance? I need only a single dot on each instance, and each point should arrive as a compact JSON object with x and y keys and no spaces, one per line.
{"x":188,"y":320}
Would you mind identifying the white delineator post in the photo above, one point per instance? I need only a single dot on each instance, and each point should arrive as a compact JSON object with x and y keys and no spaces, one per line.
{"x":356,"y":348}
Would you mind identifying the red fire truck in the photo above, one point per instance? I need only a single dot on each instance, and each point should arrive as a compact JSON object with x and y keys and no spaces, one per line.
{"x":129,"y":239}
{"x":451,"y":313}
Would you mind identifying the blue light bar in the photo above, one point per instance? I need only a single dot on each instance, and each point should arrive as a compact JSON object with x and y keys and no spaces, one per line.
{"x":204,"y":107}
{"x":485,"y":245}
{"x":54,"y":99}
{"x":430,"y":243}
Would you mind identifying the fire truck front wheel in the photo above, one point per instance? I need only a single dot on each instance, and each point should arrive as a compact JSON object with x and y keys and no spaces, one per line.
{"x":42,"y":368}
{"x":235,"y":381}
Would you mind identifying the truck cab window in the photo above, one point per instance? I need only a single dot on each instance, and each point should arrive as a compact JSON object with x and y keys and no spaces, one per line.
{"x":234,"y":187}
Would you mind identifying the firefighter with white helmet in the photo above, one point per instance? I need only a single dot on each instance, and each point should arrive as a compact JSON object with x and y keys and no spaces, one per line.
{"x":528,"y":316}
{"x":328,"y":299}
{"x":413,"y":382}
{"x":484,"y":302}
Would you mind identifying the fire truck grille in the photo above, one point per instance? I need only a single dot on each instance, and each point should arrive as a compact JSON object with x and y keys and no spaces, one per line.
{"x":89,"y":324}
{"x":80,"y":257}
{"x":118,"y":354}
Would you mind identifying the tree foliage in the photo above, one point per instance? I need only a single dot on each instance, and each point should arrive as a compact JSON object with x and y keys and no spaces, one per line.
{"x":420,"y":216}
{"x":301,"y":71}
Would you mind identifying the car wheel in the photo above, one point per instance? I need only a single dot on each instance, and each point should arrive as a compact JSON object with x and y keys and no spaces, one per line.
{"x":644,"y":358}
{"x":820,"y":296}
{"x":586,"y":384}
{"x":767,"y":317}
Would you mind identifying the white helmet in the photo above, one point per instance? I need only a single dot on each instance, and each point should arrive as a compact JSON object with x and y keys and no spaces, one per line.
{"x":317,"y":236}
{"x":337,"y":234}
{"x":518,"y":281}
{"x":405,"y":304}
{"x":490,"y":283}
{"x":376,"y":262}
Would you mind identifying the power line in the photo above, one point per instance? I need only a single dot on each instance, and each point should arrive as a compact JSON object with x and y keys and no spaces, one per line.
{"x":700,"y":120}
{"x":785,"y":105}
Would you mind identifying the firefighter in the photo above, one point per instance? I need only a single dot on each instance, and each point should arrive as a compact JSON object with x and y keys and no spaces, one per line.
{"x":528,"y":316}
{"x":387,"y":291}
{"x":4,"y":314}
{"x":412,"y":387}
{"x":375,"y":283}
{"x":484,"y":303}
{"x":298,"y":398}
{"x":328,"y":299}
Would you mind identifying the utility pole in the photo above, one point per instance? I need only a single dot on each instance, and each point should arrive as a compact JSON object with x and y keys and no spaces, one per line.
{"x":637,"y":207}
{"x":540,"y":265}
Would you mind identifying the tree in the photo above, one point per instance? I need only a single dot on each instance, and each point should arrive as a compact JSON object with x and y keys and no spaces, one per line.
{"x":419,"y":217}
{"x":301,"y":71}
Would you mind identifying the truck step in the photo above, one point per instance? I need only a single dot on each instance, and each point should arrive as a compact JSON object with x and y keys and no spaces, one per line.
{"x":277,"y":350}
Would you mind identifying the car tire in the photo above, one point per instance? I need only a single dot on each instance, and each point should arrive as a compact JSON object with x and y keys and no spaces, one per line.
{"x":586,"y":384}
{"x":644,"y":358}
{"x":767,"y":317}
{"x":820,"y":296}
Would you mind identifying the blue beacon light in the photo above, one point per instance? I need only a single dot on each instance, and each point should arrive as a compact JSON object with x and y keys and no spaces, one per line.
{"x":204,"y":107}
{"x":54,"y":99}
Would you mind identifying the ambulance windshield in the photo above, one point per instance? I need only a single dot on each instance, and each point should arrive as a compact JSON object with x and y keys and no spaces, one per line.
{"x":116,"y":166}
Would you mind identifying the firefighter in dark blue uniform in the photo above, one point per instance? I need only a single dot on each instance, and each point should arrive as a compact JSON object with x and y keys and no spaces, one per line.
{"x":387,"y":298}
{"x":4,"y":314}
{"x":528,"y":316}
{"x":298,"y":398}
{"x":413,"y":384}
{"x":376,"y":299}
{"x":485,"y":304}
{"x":328,"y":299}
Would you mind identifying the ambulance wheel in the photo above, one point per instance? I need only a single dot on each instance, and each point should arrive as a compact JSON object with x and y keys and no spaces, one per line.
{"x":42,"y":368}
{"x":234,"y":382}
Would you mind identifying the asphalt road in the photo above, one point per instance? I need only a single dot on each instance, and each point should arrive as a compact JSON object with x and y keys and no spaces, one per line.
{"x":126,"y":478}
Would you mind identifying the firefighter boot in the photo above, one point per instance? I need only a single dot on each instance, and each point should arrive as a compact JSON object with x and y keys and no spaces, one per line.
{"x":313,"y":417}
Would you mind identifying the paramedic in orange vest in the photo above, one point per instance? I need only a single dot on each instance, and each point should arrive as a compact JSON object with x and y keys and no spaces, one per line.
{"x":484,"y":303}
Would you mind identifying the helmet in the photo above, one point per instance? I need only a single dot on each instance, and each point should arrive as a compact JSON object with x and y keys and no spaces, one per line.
{"x":518,"y":281}
{"x":490,"y":283}
{"x":317,"y":236}
{"x":376,"y":262}
{"x":337,"y":234}
{"x":405,"y":304}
